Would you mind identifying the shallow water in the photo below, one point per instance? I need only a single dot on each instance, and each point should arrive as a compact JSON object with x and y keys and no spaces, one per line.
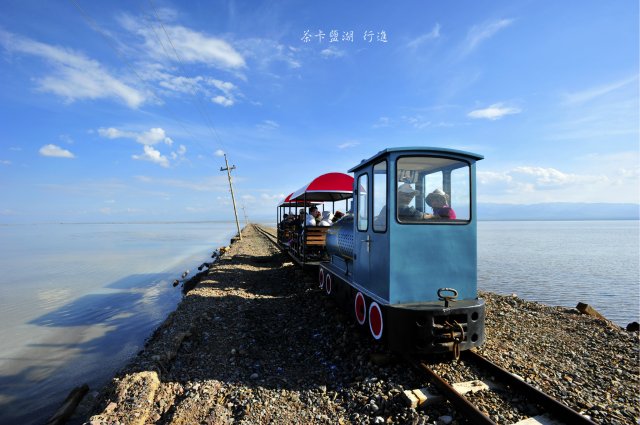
{"x":563,"y":263}
{"x":78,"y":300}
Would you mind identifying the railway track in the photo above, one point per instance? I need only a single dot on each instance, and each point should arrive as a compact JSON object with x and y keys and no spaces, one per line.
{"x":270,"y":237}
{"x":501,"y":382}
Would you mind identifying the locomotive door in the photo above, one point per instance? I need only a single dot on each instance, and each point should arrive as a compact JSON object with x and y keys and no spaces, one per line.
{"x":371,"y":262}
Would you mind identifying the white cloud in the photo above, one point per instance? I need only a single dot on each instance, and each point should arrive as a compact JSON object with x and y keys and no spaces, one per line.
{"x":332,"y":52}
{"x":534,"y":184}
{"x":191,"y":46}
{"x":493,"y":112}
{"x":598,"y":91}
{"x":479,"y":33}
{"x":15,"y":148}
{"x":55,"y":151}
{"x":432,"y":35}
{"x":219,"y":152}
{"x":5,"y":162}
{"x":154,"y":136}
{"x":152,"y":155}
{"x":74,"y":76}
{"x":150,"y":137}
{"x":221,"y":100}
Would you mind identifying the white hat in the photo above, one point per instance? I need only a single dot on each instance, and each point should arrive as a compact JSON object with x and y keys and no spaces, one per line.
{"x":406,"y":189}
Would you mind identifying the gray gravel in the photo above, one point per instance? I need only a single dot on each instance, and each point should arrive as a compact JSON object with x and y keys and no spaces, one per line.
{"x":257,"y":342}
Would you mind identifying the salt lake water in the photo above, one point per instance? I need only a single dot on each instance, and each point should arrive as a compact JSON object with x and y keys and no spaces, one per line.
{"x":78,"y":300}
{"x":563,"y":263}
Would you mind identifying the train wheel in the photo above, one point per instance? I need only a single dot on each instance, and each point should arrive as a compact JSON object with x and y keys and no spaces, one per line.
{"x":361,"y":308}
{"x":327,"y":284}
{"x":321,"y":278}
{"x":375,"y":320}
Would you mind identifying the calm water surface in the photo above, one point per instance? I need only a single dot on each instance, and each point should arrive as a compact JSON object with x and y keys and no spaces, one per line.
{"x":563,"y":263}
{"x":78,"y":300}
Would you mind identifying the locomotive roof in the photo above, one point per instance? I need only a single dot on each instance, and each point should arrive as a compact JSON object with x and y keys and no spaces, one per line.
{"x":419,"y":150}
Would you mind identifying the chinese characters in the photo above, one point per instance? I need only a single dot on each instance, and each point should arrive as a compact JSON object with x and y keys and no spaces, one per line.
{"x":338,"y":36}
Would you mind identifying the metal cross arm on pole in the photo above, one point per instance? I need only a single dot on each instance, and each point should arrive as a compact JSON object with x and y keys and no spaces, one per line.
{"x":233,"y":199}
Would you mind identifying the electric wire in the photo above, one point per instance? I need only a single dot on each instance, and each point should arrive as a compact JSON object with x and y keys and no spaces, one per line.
{"x":94,"y":26}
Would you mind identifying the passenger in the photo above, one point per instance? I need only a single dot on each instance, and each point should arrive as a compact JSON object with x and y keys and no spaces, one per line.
{"x":439,"y":202}
{"x":337,"y":216}
{"x":313,"y":217}
{"x":326,"y":219}
{"x":406,"y":212}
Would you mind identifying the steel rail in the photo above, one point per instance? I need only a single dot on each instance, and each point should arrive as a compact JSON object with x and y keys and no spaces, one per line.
{"x":268,"y":235}
{"x":469,"y":411}
{"x":553,"y":406}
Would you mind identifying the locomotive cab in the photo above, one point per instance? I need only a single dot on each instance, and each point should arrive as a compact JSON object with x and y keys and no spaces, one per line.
{"x":410,"y":267}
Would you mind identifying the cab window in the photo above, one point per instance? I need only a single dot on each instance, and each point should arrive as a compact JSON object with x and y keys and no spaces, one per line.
{"x":432,"y":190}
{"x":363,"y":202}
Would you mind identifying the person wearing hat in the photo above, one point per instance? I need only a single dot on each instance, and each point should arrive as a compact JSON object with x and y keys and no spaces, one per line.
{"x":327,"y":218}
{"x":439,"y":202}
{"x":406,"y":212}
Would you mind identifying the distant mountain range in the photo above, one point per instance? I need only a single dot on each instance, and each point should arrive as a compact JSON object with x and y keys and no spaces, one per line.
{"x":558,"y":211}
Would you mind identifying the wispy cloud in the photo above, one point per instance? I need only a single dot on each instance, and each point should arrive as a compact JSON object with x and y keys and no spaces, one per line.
{"x":533,"y":183}
{"x":348,"y":144}
{"x":482,"y":32}
{"x":74,"y":76}
{"x":210,"y":184}
{"x":597,"y":91}
{"x":417,"y":121}
{"x":432,"y":35}
{"x":332,"y":52}
{"x":493,"y":112}
{"x":191,"y":46}
{"x":268,"y":125}
{"x":150,"y":137}
{"x":382,"y":122}
{"x":219,"y":152}
{"x":55,"y":151}
{"x":5,"y":162}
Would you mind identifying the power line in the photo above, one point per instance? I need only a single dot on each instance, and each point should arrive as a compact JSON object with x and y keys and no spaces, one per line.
{"x":202,"y":109}
{"x":93,"y":25}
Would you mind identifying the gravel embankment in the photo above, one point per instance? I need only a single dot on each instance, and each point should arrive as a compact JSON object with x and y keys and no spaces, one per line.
{"x":257,"y":342}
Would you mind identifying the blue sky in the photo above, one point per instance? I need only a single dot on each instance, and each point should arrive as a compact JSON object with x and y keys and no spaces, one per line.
{"x":119,"y":110}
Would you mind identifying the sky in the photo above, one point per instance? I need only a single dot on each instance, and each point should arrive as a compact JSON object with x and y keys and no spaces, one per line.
{"x":122,"y":110}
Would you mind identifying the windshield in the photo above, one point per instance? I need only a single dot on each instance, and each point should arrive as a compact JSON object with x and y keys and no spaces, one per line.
{"x":432,"y":190}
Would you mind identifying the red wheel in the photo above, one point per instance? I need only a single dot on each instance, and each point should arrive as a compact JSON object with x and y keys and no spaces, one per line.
{"x":327,"y":284}
{"x":361,"y":308}
{"x":375,"y":320}
{"x":321,"y":278}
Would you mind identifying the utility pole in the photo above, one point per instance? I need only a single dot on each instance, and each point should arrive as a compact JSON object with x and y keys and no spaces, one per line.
{"x":246,"y":221}
{"x":233,"y":199}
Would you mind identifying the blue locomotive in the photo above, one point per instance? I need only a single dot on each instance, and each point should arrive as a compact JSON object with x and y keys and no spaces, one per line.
{"x":404,"y":260}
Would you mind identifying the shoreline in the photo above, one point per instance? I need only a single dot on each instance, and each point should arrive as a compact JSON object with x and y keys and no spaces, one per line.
{"x":256,"y":341}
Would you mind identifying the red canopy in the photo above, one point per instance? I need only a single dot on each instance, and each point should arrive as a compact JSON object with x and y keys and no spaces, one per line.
{"x":327,"y":187}
{"x":287,"y":202}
